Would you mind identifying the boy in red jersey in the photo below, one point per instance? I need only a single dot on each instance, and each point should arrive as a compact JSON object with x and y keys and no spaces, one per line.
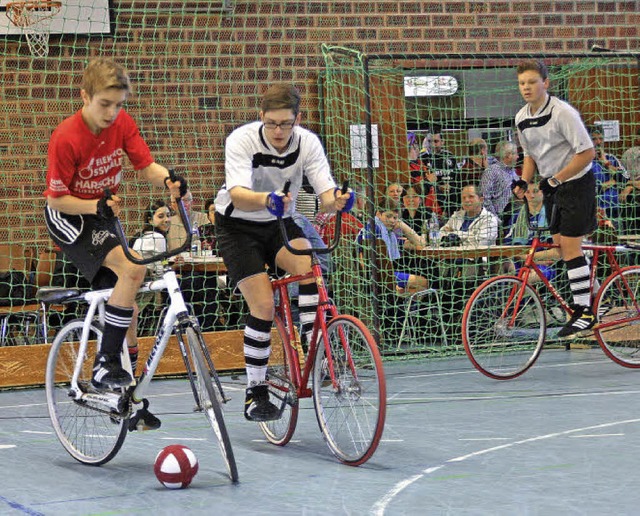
{"x":85,"y":156}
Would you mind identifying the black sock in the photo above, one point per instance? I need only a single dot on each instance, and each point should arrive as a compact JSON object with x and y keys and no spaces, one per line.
{"x":116,"y":323}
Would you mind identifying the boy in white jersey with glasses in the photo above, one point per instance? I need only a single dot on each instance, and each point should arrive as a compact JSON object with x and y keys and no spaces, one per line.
{"x":556,"y":143}
{"x":260,"y":157}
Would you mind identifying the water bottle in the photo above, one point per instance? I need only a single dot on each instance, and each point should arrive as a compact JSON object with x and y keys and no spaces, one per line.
{"x":434,"y":230}
{"x":196,"y":245}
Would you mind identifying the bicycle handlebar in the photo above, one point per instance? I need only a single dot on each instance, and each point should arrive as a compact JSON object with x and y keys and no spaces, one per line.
{"x":311,"y":250}
{"x":122,"y":239}
{"x":535,"y":228}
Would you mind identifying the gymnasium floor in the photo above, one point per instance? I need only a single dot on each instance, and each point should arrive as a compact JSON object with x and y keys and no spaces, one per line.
{"x":562,"y":439}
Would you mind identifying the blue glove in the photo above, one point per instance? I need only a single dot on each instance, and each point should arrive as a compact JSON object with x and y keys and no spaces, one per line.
{"x":275,"y":204}
{"x":350,"y":202}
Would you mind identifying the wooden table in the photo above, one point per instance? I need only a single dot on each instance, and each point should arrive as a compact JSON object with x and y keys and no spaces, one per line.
{"x":201,"y":264}
{"x":473,"y":252}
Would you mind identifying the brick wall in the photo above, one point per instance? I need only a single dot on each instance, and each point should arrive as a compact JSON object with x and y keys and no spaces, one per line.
{"x":178,"y":57}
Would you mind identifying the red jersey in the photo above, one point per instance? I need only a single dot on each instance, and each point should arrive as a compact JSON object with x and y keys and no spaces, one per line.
{"x":83,"y":164}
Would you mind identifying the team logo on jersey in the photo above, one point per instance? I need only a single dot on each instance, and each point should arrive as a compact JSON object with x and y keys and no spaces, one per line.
{"x":98,"y":237}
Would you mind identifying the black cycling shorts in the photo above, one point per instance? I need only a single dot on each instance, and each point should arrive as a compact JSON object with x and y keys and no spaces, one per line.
{"x":247,"y":246}
{"x":575,"y":203}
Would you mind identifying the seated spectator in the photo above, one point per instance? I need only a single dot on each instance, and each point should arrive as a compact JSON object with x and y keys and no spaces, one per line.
{"x":152,"y":239}
{"x":520,"y":234}
{"x":394,"y":192}
{"x":387,"y":221}
{"x":177,"y":235}
{"x":610,"y":176}
{"x":629,"y":198}
{"x":414,"y":213}
{"x":476,"y":163}
{"x":352,"y":222}
{"x":495,"y":185}
{"x":473,"y":224}
{"x":208,"y":230}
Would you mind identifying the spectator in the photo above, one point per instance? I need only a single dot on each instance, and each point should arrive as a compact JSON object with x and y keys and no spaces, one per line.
{"x":630,"y":197}
{"x":324,"y":222}
{"x":495,"y":185}
{"x":422,"y":176}
{"x":387,"y":221}
{"x":414,"y":213}
{"x":177,"y":235}
{"x":476,"y":163}
{"x":394,"y":192}
{"x":610,"y":176}
{"x":208,"y":230}
{"x":442,"y":162}
{"x":152,"y":239}
{"x":473,"y":224}
{"x":520,"y":234}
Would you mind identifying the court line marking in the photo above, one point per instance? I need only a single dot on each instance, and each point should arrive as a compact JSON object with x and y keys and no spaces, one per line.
{"x":7,"y":446}
{"x":380,"y":506}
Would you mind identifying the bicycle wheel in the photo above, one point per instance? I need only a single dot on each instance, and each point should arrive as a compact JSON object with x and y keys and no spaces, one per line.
{"x":502,"y":333}
{"x":350,"y":413}
{"x":210,"y":402}
{"x":618,"y":330}
{"x":282,"y":390}
{"x":87,"y":430}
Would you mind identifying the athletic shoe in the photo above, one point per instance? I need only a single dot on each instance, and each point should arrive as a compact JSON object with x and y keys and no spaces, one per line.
{"x":257,"y":406}
{"x":108,"y":373}
{"x":605,"y":307}
{"x":143,"y":419}
{"x":582,"y":319}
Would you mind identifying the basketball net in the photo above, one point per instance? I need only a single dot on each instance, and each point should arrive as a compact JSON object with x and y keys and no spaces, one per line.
{"x":34,"y":18}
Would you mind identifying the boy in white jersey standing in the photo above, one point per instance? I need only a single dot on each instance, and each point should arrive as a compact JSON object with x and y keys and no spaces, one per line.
{"x":557,"y":144}
{"x":260,"y":157}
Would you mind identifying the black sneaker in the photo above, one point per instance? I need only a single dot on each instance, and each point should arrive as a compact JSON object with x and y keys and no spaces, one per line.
{"x":582,"y":319}
{"x":257,"y":406}
{"x":605,"y":307}
{"x":143,"y":419}
{"x":108,"y":373}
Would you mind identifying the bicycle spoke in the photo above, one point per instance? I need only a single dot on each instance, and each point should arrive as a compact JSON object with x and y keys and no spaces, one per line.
{"x":351,"y":405}
{"x":87,"y":430}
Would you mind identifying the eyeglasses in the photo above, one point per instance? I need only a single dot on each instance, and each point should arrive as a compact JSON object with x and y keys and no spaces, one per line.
{"x":285,"y":126}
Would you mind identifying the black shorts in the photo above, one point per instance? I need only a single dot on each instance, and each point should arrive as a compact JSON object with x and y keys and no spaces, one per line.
{"x":85,"y":240}
{"x":247,"y":246}
{"x":575,"y":203}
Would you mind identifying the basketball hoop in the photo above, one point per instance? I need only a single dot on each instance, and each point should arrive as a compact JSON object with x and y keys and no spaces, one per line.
{"x":34,"y":18}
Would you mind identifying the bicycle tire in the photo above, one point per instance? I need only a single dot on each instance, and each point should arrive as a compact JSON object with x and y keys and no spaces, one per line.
{"x":210,"y":402}
{"x":90,"y":436}
{"x":618,"y":330}
{"x":351,"y":415}
{"x":281,"y":387}
{"x":500,"y":346}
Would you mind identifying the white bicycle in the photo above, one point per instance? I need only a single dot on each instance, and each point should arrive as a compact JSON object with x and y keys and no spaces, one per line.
{"x":92,"y":425}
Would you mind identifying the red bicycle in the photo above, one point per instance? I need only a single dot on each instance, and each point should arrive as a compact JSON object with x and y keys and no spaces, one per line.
{"x":342,"y":362}
{"x":504,"y":325}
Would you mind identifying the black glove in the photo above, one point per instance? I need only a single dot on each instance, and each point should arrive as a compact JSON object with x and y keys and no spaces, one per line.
{"x":521,"y":183}
{"x":183,"y":183}
{"x":546,"y":188}
{"x":103,"y":210}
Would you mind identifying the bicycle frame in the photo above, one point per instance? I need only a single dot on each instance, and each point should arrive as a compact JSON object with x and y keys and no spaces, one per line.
{"x":598,"y":250}
{"x":283,"y":310}
{"x":176,"y":311}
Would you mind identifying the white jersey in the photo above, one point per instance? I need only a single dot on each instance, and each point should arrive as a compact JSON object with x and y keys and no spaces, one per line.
{"x":251,"y":162}
{"x":553,"y":136}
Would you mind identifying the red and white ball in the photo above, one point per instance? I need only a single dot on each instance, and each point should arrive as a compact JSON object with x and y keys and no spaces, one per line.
{"x":175,"y":466}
